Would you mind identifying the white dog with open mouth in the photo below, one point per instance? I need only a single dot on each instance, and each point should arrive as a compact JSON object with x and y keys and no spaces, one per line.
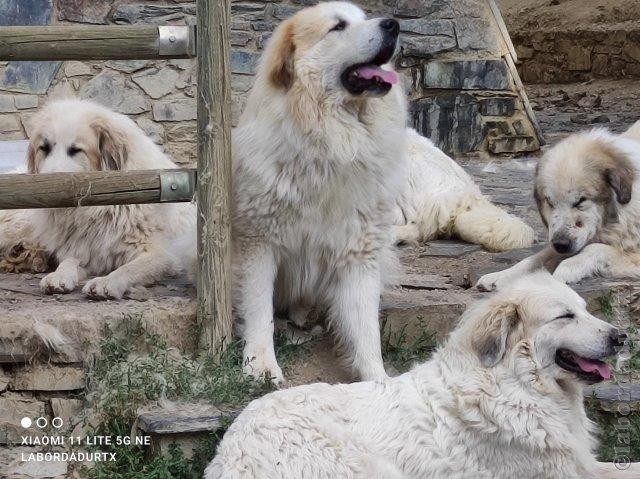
{"x":125,"y":246}
{"x":586,"y":188}
{"x":502,"y":399}
{"x":318,"y":164}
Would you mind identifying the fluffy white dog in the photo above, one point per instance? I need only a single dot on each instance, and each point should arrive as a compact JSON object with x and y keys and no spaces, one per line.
{"x":318,"y":165}
{"x":502,"y":399}
{"x":441,"y":200}
{"x":125,"y":246}
{"x":586,"y":188}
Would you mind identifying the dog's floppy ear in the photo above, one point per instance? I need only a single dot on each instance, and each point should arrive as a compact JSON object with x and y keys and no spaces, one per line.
{"x":492,"y":331}
{"x":279,"y":58}
{"x":112,"y":144}
{"x":619,"y":173}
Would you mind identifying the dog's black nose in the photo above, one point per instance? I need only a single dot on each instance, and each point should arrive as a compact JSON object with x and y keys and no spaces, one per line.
{"x":562,"y":246}
{"x":390,"y":25}
{"x":617,"y":338}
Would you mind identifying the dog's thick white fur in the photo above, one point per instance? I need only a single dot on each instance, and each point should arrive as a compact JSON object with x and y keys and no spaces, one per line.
{"x":318,"y":165}
{"x":587,"y":192}
{"x":125,"y":246}
{"x":492,"y":403}
{"x":441,"y":200}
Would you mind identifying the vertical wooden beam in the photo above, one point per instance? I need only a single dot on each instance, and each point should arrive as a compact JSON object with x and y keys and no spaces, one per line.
{"x":214,"y":174}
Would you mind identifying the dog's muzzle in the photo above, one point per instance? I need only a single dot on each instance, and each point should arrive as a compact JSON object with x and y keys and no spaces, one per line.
{"x":369,"y":77}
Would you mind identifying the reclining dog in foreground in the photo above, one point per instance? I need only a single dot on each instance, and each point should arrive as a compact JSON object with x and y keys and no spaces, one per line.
{"x":587,"y":194}
{"x":502,"y":399}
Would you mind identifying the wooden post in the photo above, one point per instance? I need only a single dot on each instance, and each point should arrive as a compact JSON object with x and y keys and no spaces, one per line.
{"x":100,"y":42}
{"x":97,"y":188}
{"x":214,"y":174}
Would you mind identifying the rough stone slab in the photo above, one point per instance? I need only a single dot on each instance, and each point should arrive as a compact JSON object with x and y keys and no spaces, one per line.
{"x":185,"y":418}
{"x":7,"y":104}
{"x":467,"y":75}
{"x":424,"y":8}
{"x":175,"y":110}
{"x":37,"y":470}
{"x":111,"y":89}
{"x":513,"y":144}
{"x":427,"y":46}
{"x":68,"y":410}
{"x":616,"y":397}
{"x":448,"y":248}
{"x":25,"y":12}
{"x":14,"y":407}
{"x":74,"y":69}
{"x":9,"y":123}
{"x":29,"y":77}
{"x":25,"y":102}
{"x":425,"y":281}
{"x":127,"y":66}
{"x":84,"y":11}
{"x":156,"y":82}
{"x":498,"y":106}
{"x":244,"y":63}
{"x":154,"y":130}
{"x":148,"y":13}
{"x":48,"y":378}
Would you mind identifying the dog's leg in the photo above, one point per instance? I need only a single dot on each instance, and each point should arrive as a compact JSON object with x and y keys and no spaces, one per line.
{"x":147,"y":268}
{"x":547,"y":258}
{"x":64,"y":279}
{"x":597,"y":259}
{"x":257,"y":274}
{"x":353,"y":314}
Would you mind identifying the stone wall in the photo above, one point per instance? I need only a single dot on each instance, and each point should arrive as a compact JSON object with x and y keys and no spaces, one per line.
{"x":569,"y":57}
{"x":462,"y":94}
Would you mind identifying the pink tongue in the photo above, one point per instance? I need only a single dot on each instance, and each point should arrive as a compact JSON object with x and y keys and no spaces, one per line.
{"x":590,"y":366}
{"x":387,"y":76}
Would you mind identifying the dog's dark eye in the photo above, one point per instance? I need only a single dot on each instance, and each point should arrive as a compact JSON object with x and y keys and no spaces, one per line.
{"x":579,"y":202}
{"x":566,"y":316}
{"x":45,"y":148}
{"x":74,"y":150}
{"x":338,"y":27}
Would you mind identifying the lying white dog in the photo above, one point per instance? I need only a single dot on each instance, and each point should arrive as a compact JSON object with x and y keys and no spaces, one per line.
{"x":502,"y":399}
{"x":318,"y":166}
{"x":441,"y":200}
{"x":126,"y":246}
{"x":586,"y":188}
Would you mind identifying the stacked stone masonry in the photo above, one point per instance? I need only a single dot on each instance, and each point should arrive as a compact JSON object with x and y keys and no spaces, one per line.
{"x":462,"y":94}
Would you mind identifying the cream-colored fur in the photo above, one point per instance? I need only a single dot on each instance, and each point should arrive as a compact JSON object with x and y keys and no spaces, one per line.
{"x":492,"y":403}
{"x":441,"y":201}
{"x":587,"y":190}
{"x":316,"y":173}
{"x":124,"y":246}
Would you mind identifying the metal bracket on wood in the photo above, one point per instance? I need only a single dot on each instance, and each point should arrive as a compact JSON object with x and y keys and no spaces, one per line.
{"x":175,"y":41}
{"x":177,"y":186}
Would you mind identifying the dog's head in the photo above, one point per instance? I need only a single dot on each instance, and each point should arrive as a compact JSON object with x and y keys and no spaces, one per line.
{"x":546,"y":321}
{"x":75,"y":136}
{"x":580,"y":185}
{"x":332,"y":49}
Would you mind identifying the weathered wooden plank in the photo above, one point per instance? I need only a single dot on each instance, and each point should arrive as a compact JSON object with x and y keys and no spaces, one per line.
{"x":99,"y":188}
{"x":214,"y":174}
{"x":112,"y":42}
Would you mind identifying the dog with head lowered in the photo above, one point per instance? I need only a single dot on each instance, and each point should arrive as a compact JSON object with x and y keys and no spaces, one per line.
{"x":586,"y":188}
{"x":318,"y":163}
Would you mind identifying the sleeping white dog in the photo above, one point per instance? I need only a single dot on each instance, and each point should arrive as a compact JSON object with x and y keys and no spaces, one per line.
{"x":502,"y":399}
{"x":318,"y":165}
{"x":125,"y":246}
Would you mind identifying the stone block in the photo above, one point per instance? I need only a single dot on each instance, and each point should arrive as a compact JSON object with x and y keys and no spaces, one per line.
{"x":74,"y":69}
{"x":498,"y":106}
{"x":524,"y":52}
{"x":127,"y":66}
{"x":111,"y":89}
{"x":84,"y":11}
{"x":184,"y":131}
{"x":29,"y":77}
{"x":513,"y":144}
{"x":151,"y":13}
{"x":25,"y":12}
{"x":175,"y":110}
{"x":476,"y":34}
{"x":68,"y":410}
{"x":424,"y":8}
{"x":428,"y":27}
{"x":632,"y":50}
{"x":154,"y":130}
{"x":427,"y":46}
{"x":9,"y":123}
{"x":7,"y":104}
{"x":156,"y":82}
{"x":240,"y":39}
{"x":282,"y":12}
{"x":578,"y":58}
{"x":244,"y":62}
{"x":48,"y":378}
{"x":5,"y":379}
{"x":25,"y":102}
{"x":14,"y":407}
{"x":467,"y":75}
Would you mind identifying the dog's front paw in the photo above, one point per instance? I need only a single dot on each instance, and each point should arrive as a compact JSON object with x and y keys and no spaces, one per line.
{"x":490,"y":282}
{"x":566,"y":273}
{"x":259,"y":367}
{"x":104,"y":288}
{"x":59,"y":282}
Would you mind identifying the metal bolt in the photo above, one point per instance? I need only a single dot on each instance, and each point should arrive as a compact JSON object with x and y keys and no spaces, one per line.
{"x":174,"y":186}
{"x":172,"y":38}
